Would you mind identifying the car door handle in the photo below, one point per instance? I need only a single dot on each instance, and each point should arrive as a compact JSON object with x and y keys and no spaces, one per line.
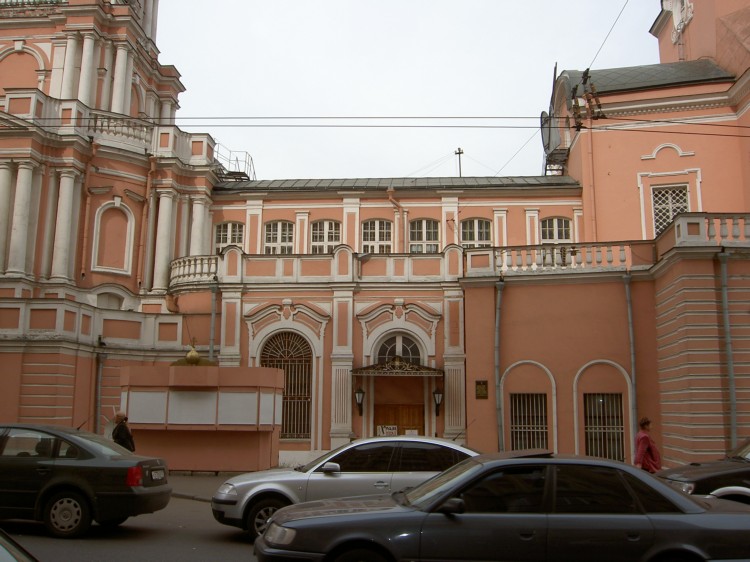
{"x":380,"y":485}
{"x":527,"y":535}
{"x":633,"y":536}
{"x":42,"y":470}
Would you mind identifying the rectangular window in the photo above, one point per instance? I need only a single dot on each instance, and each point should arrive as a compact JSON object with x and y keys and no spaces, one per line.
{"x":604,"y":427}
{"x":376,"y":237}
{"x":476,"y":233}
{"x":326,"y":235}
{"x":528,"y":421}
{"x":279,"y":238}
{"x":424,"y":237}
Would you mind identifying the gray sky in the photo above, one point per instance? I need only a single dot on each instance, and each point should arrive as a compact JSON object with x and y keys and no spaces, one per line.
{"x":389,"y":58}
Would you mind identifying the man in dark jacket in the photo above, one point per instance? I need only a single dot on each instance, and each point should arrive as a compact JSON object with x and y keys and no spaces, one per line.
{"x":121,"y":433}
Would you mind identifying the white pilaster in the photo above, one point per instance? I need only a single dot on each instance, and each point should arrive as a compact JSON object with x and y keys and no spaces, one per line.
{"x":6,"y":177}
{"x":19,"y":234}
{"x":154,"y":18}
{"x":86,"y":80}
{"x":163,"y":241}
{"x":62,"y":245}
{"x":148,"y":19}
{"x":197,"y":226}
{"x":69,"y":68}
{"x":121,"y":80}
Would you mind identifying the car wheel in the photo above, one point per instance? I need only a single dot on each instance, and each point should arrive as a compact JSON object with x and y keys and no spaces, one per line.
{"x":259,"y":514}
{"x":112,"y":522}
{"x":360,"y":555}
{"x":67,"y":514}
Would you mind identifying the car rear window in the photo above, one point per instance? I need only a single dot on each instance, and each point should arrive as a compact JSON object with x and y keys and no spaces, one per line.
{"x":426,"y":457}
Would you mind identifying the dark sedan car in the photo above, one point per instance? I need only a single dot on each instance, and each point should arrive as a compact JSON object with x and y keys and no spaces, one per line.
{"x":728,"y":477}
{"x":67,"y":478}
{"x":532,"y":507}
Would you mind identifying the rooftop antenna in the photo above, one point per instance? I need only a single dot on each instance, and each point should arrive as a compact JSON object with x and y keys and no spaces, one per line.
{"x":458,"y":153}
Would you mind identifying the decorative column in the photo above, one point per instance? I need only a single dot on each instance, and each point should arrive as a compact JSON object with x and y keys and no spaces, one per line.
{"x":86,"y":81}
{"x":6,"y":177}
{"x":19,"y":234}
{"x":148,"y":18}
{"x":106,"y":98}
{"x":121,"y":78}
{"x":197,"y":234}
{"x":69,"y":68}
{"x":61,"y":247}
{"x":154,"y":18}
{"x":163,"y":241}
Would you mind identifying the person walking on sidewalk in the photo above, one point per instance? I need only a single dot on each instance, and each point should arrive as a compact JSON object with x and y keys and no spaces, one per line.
{"x":121,"y":434}
{"x":647,"y":454}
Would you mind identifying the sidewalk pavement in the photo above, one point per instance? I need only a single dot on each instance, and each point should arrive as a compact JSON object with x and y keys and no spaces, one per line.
{"x":199,"y":486}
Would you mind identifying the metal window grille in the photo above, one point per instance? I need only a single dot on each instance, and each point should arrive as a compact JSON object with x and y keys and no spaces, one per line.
{"x":604,"y":427}
{"x":290,"y":352}
{"x":668,"y":203}
{"x":528,"y":421}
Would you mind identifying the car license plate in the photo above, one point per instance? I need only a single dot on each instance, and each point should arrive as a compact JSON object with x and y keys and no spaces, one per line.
{"x":157,"y":474}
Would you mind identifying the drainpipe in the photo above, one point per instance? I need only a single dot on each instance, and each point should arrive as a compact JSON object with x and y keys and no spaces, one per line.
{"x":633,"y":384}
{"x":100,"y":357}
{"x":87,"y":193}
{"x":144,"y":217}
{"x":396,"y":205}
{"x":212,"y":328}
{"x":723,"y":257}
{"x":498,"y":397}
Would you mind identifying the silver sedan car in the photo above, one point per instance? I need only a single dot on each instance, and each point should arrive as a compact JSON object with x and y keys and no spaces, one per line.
{"x":364,"y":466}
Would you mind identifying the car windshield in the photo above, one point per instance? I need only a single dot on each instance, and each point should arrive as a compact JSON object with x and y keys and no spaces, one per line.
{"x":741,"y":453}
{"x":101,"y":444}
{"x":426,"y":492}
{"x":320,"y":459}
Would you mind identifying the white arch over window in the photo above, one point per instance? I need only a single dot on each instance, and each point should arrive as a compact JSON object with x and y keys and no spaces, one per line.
{"x":117,"y":204}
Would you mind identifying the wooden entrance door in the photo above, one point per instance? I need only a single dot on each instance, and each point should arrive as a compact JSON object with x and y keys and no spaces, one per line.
{"x":404,"y":416}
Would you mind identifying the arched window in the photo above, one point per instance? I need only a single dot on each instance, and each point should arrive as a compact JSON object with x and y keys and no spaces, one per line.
{"x":376,"y":237}
{"x":292,"y":353}
{"x":279,"y":238}
{"x":476,"y":233}
{"x":326,"y":235}
{"x":424,"y":236}
{"x":229,"y":234}
{"x":400,"y":345}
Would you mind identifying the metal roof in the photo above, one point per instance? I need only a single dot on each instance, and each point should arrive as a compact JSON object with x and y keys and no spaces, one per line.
{"x":428,"y":184}
{"x":631,"y":78}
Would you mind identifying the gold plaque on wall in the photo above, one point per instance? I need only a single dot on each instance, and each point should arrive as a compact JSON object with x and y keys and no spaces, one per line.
{"x":482,"y":391}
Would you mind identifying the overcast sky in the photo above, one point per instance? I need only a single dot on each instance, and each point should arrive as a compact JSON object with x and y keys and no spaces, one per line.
{"x":494,"y":59}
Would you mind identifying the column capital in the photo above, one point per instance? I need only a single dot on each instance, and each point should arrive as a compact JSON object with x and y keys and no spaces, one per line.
{"x":165,"y":193}
{"x":27,"y":165}
{"x":68,"y":173}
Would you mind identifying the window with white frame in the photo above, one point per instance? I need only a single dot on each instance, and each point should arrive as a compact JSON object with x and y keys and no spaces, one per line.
{"x":668,"y":202}
{"x":326,"y":235}
{"x":424,"y":236}
{"x":279,"y":237}
{"x":402,"y":346}
{"x":604,"y":426}
{"x":376,"y":237}
{"x":476,"y":233}
{"x":556,"y":230}
{"x":229,"y":234}
{"x":528,"y":421}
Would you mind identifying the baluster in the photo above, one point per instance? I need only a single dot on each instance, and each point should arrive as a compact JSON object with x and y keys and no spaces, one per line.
{"x":509,"y":260}
{"x":711,"y":230}
{"x":735,"y":228}
{"x":723,"y":228}
{"x":623,"y":256}
{"x":610,"y":257}
{"x":746,"y":219}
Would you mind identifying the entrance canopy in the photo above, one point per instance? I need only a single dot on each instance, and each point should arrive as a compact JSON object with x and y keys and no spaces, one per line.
{"x":397,"y":367}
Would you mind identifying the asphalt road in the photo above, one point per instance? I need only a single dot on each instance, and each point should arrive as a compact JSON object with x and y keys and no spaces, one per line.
{"x":184,"y":531}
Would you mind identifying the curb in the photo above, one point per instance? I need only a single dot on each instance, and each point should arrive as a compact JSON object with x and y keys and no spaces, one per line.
{"x":190,"y":497}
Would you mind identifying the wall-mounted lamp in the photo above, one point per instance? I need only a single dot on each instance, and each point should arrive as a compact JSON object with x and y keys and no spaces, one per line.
{"x":437,"y":396}
{"x":359,"y":396}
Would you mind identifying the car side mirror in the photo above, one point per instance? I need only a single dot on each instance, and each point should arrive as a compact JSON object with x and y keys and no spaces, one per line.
{"x":330,"y":467}
{"x":452,"y":505}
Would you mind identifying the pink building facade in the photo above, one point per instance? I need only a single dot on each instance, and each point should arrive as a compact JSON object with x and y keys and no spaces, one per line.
{"x":542,"y":311}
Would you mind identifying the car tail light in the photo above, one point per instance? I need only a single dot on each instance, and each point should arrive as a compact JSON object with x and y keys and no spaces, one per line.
{"x":134,"y":477}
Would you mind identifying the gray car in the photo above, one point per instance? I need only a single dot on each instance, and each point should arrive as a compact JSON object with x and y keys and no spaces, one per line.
{"x":362,"y":467}
{"x":534,"y":507}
